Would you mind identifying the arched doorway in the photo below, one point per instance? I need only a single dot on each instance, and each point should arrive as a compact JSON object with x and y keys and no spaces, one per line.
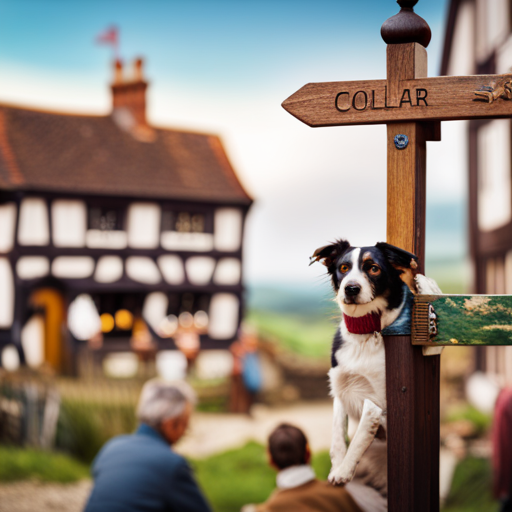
{"x":51,"y":302}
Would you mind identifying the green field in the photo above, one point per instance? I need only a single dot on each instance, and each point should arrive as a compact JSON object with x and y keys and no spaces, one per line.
{"x":307,"y":336}
{"x":27,"y":464}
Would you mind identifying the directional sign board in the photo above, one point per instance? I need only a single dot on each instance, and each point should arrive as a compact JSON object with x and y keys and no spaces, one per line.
{"x":424,"y":99}
{"x":440,"y":320}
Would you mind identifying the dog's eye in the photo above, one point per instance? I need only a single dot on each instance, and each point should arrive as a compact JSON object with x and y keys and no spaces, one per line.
{"x":374,"y":270}
{"x":344,"y":269}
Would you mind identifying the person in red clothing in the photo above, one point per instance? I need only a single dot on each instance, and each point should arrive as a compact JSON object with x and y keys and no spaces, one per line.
{"x":502,"y":449}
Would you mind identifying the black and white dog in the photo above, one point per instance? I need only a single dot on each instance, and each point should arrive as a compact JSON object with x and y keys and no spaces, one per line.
{"x":373,"y":286}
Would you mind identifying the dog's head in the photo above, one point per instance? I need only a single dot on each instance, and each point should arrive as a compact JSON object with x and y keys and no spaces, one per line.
{"x":368,"y":279}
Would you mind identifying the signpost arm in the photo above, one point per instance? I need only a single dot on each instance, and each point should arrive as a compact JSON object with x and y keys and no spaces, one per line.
{"x":412,"y":380}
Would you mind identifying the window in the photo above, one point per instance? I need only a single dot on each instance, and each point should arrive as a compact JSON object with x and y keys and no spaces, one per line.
{"x":105,"y":219}
{"x":186,"y":221}
{"x":118,"y":313}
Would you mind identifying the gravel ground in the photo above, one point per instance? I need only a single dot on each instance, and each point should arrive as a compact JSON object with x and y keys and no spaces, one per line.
{"x":31,"y":496}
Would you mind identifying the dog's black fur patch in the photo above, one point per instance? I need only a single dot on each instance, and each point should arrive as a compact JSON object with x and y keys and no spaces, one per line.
{"x":336,"y":344}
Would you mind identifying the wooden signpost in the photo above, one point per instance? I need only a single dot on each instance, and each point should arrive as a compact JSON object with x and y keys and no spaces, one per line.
{"x":412,"y":106}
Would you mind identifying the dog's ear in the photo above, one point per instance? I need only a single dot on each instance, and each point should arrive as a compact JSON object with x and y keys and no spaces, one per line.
{"x":328,"y":254}
{"x":405,"y":262}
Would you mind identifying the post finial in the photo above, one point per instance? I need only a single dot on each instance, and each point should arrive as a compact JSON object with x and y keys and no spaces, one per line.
{"x":406,"y":26}
{"x":407,"y":3}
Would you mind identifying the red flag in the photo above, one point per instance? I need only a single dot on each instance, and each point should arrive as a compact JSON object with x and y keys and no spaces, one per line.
{"x":110,"y":36}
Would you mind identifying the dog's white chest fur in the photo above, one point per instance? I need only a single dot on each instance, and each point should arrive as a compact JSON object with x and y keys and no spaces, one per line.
{"x":360,"y":373}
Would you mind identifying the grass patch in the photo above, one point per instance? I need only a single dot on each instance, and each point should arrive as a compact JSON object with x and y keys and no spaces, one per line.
{"x":237,"y":477}
{"x":84,"y":427}
{"x":471,"y":487}
{"x":481,"y":421}
{"x":307,"y":336}
{"x":26,"y":464}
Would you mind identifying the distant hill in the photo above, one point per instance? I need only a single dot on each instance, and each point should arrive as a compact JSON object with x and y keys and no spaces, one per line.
{"x":299,"y":299}
{"x":446,"y":262}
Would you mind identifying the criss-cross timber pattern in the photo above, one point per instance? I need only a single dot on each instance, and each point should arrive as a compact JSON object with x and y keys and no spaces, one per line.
{"x":413,"y":105}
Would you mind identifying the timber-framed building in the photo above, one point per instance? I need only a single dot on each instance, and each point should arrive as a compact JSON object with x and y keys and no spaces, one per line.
{"x":147,"y":222}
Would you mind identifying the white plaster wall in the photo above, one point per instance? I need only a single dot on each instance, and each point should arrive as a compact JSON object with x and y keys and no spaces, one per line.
{"x":496,"y":23}
{"x":98,"y":239}
{"x":171,"y":365}
{"x":121,"y":365}
{"x":72,"y":267}
{"x":144,"y":225}
{"x":108,"y":269}
{"x":7,"y":226}
{"x":69,"y":223}
{"x":142,"y":269}
{"x":155,"y":309}
{"x":228,"y":229}
{"x":174,"y":241}
{"x":508,"y":273}
{"x":10,"y":358}
{"x":224,"y":308}
{"x":214,"y":364}
{"x":171,"y":267}
{"x":32,"y":341}
{"x":228,"y":271}
{"x":504,"y":56}
{"x":462,"y":57}
{"x":200,"y":269}
{"x":32,"y":267}
{"x":6,"y":294}
{"x":83,"y":318}
{"x":33,"y":226}
{"x":494,"y":198}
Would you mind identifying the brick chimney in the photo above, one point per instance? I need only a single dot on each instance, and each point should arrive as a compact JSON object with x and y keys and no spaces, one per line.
{"x":129,"y":92}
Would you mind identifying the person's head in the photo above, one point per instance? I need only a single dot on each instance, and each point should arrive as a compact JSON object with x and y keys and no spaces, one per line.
{"x":166,"y":406}
{"x":288,"y":446}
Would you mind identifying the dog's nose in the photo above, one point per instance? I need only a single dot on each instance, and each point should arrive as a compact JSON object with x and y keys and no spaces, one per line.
{"x":352,"y":290}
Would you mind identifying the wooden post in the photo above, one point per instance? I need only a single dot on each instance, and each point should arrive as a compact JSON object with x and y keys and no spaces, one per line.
{"x":412,"y":105}
{"x":412,"y":380}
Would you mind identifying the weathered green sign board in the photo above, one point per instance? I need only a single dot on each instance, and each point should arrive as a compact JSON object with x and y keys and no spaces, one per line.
{"x":447,"y":320}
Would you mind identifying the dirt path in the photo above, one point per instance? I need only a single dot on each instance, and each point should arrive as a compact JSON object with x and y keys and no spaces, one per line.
{"x":33,"y":496}
{"x":212,"y":433}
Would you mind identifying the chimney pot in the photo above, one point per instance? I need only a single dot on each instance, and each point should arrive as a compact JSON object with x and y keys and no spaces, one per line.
{"x":137,"y":66}
{"x":130,"y":92}
{"x":118,"y":72}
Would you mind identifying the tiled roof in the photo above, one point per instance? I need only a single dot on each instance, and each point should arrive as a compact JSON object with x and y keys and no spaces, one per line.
{"x":95,"y":155}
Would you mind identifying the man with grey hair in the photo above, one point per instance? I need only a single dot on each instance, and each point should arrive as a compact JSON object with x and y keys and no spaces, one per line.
{"x":139,"y":472}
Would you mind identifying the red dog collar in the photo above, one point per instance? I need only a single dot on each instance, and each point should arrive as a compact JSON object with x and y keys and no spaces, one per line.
{"x":366,"y":324}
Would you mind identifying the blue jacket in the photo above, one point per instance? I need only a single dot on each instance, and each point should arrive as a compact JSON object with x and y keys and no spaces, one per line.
{"x":141,"y":473}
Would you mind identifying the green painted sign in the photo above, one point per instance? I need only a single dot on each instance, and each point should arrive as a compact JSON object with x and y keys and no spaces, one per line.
{"x":449,"y":320}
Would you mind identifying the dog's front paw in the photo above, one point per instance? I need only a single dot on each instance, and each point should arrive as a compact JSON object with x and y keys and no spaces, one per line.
{"x":341,"y":475}
{"x":426,"y":285}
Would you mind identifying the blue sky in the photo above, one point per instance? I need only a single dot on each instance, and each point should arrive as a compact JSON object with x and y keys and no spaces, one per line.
{"x":225,"y":67}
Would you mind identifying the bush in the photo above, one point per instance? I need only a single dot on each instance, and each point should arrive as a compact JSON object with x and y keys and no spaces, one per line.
{"x":471,"y":487}
{"x":24,"y":464}
{"x":84,"y":427}
{"x":480,"y":420}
